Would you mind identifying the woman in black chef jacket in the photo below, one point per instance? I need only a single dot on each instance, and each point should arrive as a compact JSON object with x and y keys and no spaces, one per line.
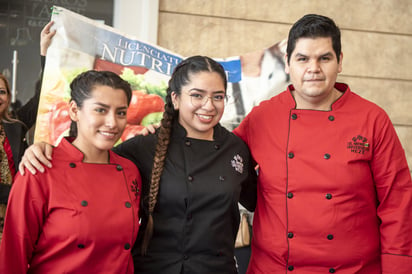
{"x":196,"y":174}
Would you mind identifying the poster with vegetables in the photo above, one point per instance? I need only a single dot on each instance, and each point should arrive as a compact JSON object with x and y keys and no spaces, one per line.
{"x":81,"y":44}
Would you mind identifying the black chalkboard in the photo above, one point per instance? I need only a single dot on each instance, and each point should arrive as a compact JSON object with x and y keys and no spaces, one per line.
{"x":20,"y":24}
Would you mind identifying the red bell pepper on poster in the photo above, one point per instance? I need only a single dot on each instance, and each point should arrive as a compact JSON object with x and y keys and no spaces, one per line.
{"x":59,"y":120}
{"x":143,"y":104}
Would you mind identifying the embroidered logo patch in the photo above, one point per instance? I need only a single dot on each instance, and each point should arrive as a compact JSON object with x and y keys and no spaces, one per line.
{"x":237,"y":163}
{"x":358,"y":144}
{"x":135,"y":189}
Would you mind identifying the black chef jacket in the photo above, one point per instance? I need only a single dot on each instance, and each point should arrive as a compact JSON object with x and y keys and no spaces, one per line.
{"x":196,"y":217}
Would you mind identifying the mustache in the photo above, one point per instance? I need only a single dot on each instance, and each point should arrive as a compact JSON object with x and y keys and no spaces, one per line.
{"x":314,"y":79}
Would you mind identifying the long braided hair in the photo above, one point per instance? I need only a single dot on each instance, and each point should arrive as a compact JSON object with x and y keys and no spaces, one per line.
{"x":180,"y":77}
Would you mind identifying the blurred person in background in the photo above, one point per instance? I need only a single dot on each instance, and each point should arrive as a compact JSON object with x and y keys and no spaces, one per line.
{"x":14,"y":126}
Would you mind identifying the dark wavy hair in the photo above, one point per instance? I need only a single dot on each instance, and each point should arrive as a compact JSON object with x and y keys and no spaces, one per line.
{"x":314,"y":26}
{"x":181,"y":76}
{"x":82,"y":86}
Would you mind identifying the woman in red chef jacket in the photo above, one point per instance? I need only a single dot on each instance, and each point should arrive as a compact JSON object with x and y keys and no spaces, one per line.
{"x":81,"y":215}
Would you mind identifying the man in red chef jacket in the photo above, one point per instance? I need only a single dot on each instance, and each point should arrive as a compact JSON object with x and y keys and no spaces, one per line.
{"x":334,"y":190}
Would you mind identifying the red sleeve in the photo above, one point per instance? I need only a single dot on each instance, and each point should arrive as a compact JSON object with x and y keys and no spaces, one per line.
{"x":394,"y":190}
{"x":242,"y":130}
{"x":24,"y":219}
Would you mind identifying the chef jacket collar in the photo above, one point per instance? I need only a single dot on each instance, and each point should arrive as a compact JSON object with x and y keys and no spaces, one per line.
{"x":75,"y":154}
{"x":181,"y":132}
{"x":342,"y":87}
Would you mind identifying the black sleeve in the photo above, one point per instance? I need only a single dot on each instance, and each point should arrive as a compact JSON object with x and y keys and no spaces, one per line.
{"x":43,"y":63}
{"x":4,"y":193}
{"x":28,"y":113}
{"x":248,"y":194}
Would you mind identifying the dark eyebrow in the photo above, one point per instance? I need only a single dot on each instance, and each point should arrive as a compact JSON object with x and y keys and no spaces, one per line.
{"x":107,"y":106}
{"x":102,"y":105}
{"x":328,"y":54}
{"x":204,"y":91}
{"x":300,"y":55}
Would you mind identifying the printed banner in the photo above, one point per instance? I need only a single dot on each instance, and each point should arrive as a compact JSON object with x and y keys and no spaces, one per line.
{"x":81,"y":44}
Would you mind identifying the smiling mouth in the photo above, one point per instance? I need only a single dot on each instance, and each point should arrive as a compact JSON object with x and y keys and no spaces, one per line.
{"x":108,"y":134}
{"x":205,"y":117}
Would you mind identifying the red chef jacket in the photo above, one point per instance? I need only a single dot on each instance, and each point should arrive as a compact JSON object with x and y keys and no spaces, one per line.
{"x":74,"y":218}
{"x":334,"y":188}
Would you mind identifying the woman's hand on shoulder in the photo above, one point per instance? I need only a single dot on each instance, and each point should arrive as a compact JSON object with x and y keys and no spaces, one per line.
{"x":149,"y":129}
{"x":36,"y":157}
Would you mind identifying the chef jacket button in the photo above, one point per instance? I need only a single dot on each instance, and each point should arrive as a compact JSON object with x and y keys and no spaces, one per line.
{"x":190,"y":178}
{"x":290,"y":195}
{"x":80,"y":245}
{"x":217,"y":146}
{"x":328,"y":196}
{"x":326,"y":156}
{"x":291,"y":155}
{"x":84,"y":203}
{"x":330,"y":237}
{"x":189,"y":216}
{"x":290,"y":268}
{"x":294,"y":116}
{"x":119,"y":168}
{"x":128,"y":204}
{"x":221,"y":178}
{"x":331,"y":118}
{"x":127,"y":246}
{"x":290,"y":235}
{"x":188,"y":143}
{"x":185,"y":257}
{"x":72,"y":165}
{"x":332,"y":270}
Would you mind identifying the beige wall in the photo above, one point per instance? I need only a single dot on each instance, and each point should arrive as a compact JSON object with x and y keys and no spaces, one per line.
{"x":376,"y":41}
